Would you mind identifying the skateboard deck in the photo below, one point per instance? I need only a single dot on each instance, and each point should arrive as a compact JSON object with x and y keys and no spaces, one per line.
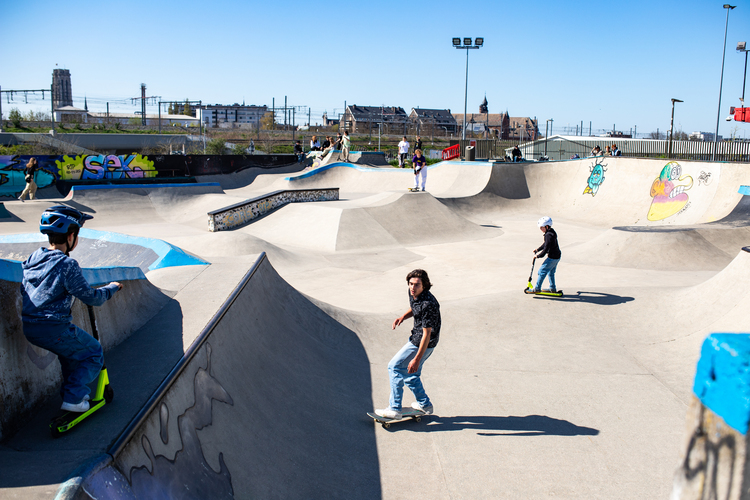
{"x":415,"y":190}
{"x":406,"y":414}
{"x":548,"y":293}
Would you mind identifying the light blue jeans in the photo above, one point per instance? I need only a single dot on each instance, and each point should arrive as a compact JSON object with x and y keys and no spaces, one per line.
{"x":80,"y":356}
{"x":398,"y":369}
{"x":547,"y":268}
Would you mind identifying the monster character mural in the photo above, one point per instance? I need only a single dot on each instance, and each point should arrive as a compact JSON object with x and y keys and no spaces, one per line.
{"x":596,"y":178}
{"x":668,"y":196}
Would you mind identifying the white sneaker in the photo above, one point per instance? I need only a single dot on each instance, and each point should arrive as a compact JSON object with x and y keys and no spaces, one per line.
{"x":427,"y":410}
{"x":81,"y":407}
{"x":388,"y":413}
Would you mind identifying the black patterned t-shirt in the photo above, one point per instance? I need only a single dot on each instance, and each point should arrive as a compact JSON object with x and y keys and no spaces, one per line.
{"x":426,"y":310}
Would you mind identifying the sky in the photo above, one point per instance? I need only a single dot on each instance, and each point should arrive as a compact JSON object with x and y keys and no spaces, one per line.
{"x":611,"y":64}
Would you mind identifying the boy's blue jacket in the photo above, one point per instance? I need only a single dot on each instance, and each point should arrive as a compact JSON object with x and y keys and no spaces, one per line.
{"x":50,"y":281}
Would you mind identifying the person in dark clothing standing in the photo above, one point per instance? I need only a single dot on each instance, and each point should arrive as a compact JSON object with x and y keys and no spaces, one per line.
{"x":551,"y":249}
{"x":418,"y":144}
{"x":406,"y":365}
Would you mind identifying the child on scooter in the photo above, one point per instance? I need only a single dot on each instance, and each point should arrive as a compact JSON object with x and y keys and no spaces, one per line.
{"x":551,"y":249}
{"x":50,"y":281}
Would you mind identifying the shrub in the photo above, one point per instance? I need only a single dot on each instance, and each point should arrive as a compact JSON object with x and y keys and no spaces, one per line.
{"x":15,"y":117}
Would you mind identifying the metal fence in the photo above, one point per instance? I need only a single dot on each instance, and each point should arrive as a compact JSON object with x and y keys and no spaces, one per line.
{"x":566,"y":147}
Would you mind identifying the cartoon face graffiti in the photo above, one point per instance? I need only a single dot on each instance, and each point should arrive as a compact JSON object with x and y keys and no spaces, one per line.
{"x":669,"y":198}
{"x":596,"y":178}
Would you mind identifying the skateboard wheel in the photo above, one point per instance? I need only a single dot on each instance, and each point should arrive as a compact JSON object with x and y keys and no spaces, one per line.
{"x":419,"y":419}
{"x":386,"y":426}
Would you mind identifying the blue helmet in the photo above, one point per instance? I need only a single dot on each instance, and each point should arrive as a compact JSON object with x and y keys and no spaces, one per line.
{"x":59,"y":219}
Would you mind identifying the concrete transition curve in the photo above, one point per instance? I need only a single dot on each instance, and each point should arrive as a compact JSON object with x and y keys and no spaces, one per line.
{"x":213,"y":429}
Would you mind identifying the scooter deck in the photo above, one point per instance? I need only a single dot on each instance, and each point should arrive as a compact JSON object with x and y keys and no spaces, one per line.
{"x":69,"y":419}
{"x":406,"y":414}
{"x":548,"y":293}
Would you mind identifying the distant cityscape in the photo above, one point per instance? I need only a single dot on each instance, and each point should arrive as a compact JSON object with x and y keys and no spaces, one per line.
{"x":358,"y":119}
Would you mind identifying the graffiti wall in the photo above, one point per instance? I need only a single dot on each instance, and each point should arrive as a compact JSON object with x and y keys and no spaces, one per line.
{"x":134,"y":166}
{"x":112,"y":168}
{"x":242,"y":213}
{"x":596,"y":178}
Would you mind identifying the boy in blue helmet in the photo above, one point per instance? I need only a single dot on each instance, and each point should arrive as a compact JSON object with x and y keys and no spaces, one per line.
{"x":50,"y":281}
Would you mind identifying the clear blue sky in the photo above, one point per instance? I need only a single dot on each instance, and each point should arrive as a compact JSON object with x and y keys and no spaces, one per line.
{"x":611,"y":63}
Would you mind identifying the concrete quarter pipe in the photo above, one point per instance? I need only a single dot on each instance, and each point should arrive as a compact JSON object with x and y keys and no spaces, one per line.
{"x":265,"y":404}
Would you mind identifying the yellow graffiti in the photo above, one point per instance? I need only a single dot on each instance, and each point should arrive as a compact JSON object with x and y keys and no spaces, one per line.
{"x":134,"y":166}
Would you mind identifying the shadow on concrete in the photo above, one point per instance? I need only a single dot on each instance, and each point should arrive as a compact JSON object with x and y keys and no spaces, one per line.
{"x":598,"y":298}
{"x":136,"y":368}
{"x":530,"y":425}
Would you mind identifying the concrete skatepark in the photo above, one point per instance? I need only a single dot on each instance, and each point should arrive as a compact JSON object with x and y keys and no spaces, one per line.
{"x":252,"y":376}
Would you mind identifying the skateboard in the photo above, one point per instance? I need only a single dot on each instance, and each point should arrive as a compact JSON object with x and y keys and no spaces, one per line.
{"x":549,"y":293}
{"x":415,"y":190}
{"x":406,"y":414}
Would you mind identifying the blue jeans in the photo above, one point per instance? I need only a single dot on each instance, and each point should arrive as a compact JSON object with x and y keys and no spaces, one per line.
{"x":80,"y":356}
{"x":398,"y":369}
{"x":547,"y":268}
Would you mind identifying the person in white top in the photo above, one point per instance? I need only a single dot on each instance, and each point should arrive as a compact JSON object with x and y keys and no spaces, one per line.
{"x":403,"y":151}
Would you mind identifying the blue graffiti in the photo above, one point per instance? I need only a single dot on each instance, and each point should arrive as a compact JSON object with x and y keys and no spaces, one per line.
{"x":595,"y":179}
{"x":12,"y":179}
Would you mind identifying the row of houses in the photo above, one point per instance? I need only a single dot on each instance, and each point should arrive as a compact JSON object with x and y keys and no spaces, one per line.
{"x":394,"y":119}
{"x":391,"y":120}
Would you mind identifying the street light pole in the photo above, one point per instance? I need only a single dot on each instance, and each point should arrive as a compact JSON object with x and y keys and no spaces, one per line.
{"x":721,"y":84}
{"x":742,"y":47}
{"x":467,"y":44}
{"x":671,"y":128}
{"x":466,"y":92}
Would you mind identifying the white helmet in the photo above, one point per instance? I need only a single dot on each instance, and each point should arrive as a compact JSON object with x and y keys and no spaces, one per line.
{"x":544,"y":221}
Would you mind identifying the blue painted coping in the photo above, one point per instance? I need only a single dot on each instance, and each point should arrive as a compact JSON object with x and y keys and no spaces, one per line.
{"x":11,"y":270}
{"x":168,"y":255}
{"x":744,"y":190}
{"x":367,"y":169}
{"x":141,"y":186}
{"x":722,"y":378}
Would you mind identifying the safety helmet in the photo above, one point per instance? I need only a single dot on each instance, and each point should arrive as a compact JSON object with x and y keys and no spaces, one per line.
{"x":544,"y":221}
{"x":59,"y":219}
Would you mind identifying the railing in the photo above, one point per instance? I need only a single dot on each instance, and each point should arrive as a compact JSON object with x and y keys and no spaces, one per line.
{"x":452,"y":152}
{"x":563,"y":148}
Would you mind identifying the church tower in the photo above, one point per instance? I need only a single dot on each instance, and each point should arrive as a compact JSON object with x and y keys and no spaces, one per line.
{"x":483,"y":108}
{"x":62,"y":94}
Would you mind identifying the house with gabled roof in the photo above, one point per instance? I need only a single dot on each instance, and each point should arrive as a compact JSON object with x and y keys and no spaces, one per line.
{"x":364,"y":119}
{"x":433,"y":121}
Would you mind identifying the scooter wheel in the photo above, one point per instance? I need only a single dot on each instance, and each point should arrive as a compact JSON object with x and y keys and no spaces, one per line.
{"x":55,"y":432}
{"x":109,"y":393}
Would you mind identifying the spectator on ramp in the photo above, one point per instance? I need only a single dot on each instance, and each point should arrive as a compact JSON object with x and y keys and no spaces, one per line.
{"x":406,"y":365}
{"x":50,"y":281}
{"x":298,"y":151}
{"x":616,"y":151}
{"x":314,"y":144}
{"x":417,"y":144}
{"x":551,"y":249}
{"x":346,"y":143}
{"x":403,"y":151}
{"x":517,"y":154}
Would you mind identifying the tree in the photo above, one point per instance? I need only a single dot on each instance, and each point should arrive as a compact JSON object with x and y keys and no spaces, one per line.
{"x":188,"y":110}
{"x":15,"y":117}
{"x":239,"y":149}
{"x":266,"y":123}
{"x":216,"y":147}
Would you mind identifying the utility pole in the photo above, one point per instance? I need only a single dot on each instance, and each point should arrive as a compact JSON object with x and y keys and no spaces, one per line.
{"x":143,"y":99}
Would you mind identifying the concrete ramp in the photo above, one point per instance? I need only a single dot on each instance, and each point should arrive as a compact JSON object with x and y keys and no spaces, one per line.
{"x":388,"y":220}
{"x":268,"y":402}
{"x":613,"y":191}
